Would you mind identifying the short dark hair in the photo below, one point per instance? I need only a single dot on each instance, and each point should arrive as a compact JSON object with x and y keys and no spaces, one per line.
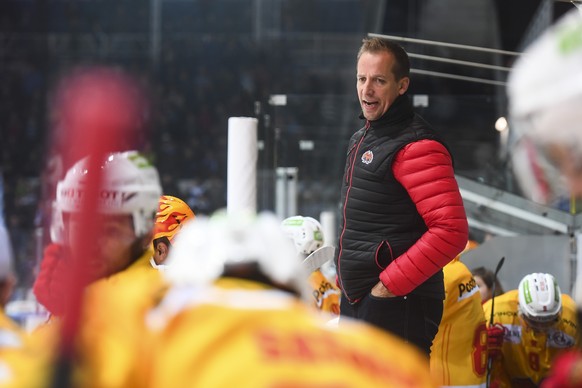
{"x":401,"y":66}
{"x":163,"y":239}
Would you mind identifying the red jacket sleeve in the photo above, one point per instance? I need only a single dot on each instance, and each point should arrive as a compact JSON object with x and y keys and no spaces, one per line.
{"x":425,"y":170}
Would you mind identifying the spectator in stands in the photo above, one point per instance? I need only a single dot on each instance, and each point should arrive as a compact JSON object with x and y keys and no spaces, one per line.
{"x":531,"y":327}
{"x":485,"y":279}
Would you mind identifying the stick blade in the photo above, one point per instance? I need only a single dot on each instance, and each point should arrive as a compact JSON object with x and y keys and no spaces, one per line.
{"x":316,"y":259}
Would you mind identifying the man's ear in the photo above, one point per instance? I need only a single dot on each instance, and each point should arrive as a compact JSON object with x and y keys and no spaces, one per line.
{"x":403,"y":85}
{"x":162,"y":250}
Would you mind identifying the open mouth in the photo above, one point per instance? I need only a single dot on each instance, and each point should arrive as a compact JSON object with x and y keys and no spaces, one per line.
{"x":368,"y":103}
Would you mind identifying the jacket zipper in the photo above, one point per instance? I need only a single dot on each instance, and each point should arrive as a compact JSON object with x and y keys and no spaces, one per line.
{"x":349,"y":177}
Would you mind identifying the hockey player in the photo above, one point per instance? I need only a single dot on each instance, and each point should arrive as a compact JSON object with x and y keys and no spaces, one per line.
{"x":234,"y":301}
{"x":545,"y":95}
{"x":172,"y":214}
{"x":458,"y":356}
{"x":307,"y":235}
{"x":537,"y":323}
{"x":128,"y":201}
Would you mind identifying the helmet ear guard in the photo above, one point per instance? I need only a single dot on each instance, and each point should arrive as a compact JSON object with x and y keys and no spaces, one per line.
{"x":130,"y":185}
{"x":540,"y":299}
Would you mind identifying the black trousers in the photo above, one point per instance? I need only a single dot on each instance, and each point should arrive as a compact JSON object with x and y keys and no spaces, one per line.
{"x":414,"y":318}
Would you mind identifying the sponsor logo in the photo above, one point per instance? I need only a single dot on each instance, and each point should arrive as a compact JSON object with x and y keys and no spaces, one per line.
{"x":106,"y":197}
{"x":467,"y":290}
{"x":559,"y":339}
{"x":513,"y":334}
{"x":367,"y":157}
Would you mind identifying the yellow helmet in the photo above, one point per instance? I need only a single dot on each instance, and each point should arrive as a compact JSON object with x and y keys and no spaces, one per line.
{"x":172,"y":214}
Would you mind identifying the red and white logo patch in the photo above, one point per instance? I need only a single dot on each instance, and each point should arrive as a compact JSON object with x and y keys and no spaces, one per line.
{"x":367,"y":157}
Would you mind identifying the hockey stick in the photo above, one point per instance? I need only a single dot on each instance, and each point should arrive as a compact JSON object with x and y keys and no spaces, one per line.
{"x":316,"y":259}
{"x":489,"y":359}
{"x":97,"y":111}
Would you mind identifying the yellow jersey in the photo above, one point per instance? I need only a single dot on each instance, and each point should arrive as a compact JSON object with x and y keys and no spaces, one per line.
{"x":105,"y":332}
{"x":326,"y":296}
{"x":459,"y":351}
{"x":528,"y":354}
{"x":244,"y":334}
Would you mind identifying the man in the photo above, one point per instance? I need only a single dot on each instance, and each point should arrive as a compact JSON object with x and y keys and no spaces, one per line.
{"x":172,"y":214}
{"x":458,"y":355}
{"x":402,"y":215}
{"x":545,"y":96}
{"x":307,"y":236}
{"x":537,"y":323}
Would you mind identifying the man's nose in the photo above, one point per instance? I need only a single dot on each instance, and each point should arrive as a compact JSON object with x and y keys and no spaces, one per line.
{"x":367,"y":88}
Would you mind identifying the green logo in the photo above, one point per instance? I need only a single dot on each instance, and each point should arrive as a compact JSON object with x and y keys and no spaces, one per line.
{"x":570,"y":39}
{"x":139,"y":161}
{"x":526,"y":292}
{"x":317,"y":235}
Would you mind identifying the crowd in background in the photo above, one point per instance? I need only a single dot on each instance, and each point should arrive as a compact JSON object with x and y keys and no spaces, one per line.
{"x":199,"y":81}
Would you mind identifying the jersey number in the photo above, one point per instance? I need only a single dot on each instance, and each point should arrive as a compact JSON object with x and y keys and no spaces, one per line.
{"x":480,"y":350}
{"x":534,"y":361}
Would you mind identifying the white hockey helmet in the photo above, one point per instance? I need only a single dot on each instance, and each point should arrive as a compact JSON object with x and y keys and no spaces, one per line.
{"x":130,"y":185}
{"x":206,"y":246}
{"x":540,"y":300}
{"x":545,"y":95}
{"x":305,"y":232}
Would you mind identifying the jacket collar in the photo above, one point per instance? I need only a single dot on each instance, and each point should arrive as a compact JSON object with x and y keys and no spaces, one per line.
{"x":399,"y":111}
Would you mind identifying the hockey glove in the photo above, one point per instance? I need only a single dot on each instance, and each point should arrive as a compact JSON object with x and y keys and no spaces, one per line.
{"x":49,"y":286}
{"x":495,"y":336}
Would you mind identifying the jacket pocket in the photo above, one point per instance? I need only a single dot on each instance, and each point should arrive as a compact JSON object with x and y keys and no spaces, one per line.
{"x":384,"y":255}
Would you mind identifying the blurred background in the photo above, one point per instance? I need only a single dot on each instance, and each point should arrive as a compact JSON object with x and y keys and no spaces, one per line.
{"x":291,"y":64}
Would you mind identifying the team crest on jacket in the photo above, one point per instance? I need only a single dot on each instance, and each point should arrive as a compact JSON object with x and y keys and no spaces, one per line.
{"x":367,"y":157}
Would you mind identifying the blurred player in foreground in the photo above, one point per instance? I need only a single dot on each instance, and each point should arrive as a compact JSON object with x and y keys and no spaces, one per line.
{"x":531,"y":325}
{"x":172,"y":214}
{"x":458,"y":356}
{"x":236,"y":289}
{"x":307,"y":236}
{"x":545,"y":95}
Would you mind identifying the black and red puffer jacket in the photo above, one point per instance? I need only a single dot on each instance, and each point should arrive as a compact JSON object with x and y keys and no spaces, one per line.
{"x":402,"y":216}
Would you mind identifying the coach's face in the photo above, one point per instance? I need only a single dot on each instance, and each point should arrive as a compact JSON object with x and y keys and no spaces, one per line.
{"x":377,"y":87}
